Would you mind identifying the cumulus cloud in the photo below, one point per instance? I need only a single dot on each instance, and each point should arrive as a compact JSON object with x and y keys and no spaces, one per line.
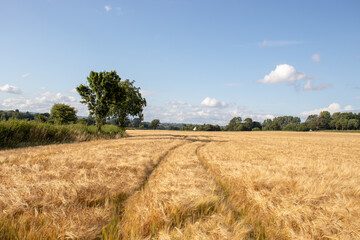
{"x":310,"y":86}
{"x":10,"y":89}
{"x":183,"y":112}
{"x":283,"y":73}
{"x":25,"y":75}
{"x":267,"y":43}
{"x":43,"y":103}
{"x":212,"y":102}
{"x":316,"y":58}
{"x":333,"y":107}
{"x":107,"y":8}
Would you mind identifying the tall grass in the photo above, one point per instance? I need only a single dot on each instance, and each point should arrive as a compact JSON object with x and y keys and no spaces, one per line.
{"x":21,"y":133}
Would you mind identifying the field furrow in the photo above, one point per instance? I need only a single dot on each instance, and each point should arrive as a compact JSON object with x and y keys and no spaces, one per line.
{"x":180,"y":201}
{"x":297,"y":186}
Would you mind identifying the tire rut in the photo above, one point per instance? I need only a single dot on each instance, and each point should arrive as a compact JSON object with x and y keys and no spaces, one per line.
{"x":178,"y":192}
{"x":111,"y":230}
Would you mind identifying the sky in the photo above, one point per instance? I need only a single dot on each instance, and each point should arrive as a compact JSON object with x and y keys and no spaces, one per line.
{"x":196,"y":61}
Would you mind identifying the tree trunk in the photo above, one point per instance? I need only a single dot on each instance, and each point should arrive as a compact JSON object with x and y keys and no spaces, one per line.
{"x":99,"y":123}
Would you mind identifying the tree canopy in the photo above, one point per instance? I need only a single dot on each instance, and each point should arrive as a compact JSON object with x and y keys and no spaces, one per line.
{"x":129,"y":103}
{"x":62,"y":114}
{"x":154,"y":124}
{"x":106,"y":96}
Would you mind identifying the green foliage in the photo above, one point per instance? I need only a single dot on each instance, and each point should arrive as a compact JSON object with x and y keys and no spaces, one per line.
{"x":154,"y":124}
{"x":286,"y":120}
{"x":11,"y":114}
{"x":129,"y":102}
{"x":290,"y":127}
{"x":247,"y":124}
{"x":21,"y":133}
{"x":41,"y":118}
{"x":312,"y":121}
{"x":63,"y":113}
{"x":270,"y":125}
{"x":302,"y":127}
{"x":99,"y":95}
{"x":234,"y":124}
{"x":353,"y":124}
{"x":106,"y":96}
{"x":323,"y":121}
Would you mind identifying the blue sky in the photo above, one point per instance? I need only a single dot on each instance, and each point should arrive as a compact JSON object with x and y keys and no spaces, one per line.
{"x":196,"y":61}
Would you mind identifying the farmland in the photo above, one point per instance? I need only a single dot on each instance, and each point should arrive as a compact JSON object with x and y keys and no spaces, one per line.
{"x":185,"y":185}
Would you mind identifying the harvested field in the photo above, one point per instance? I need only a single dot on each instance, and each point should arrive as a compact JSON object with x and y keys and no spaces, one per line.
{"x":185,"y":185}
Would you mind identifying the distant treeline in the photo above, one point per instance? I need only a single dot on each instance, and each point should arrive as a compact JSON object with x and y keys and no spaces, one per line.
{"x":42,"y":117}
{"x":323,"y":121}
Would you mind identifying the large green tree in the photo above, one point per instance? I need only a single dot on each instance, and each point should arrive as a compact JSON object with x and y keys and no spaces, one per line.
{"x":103,"y":91}
{"x":129,"y":102}
{"x":63,"y":114}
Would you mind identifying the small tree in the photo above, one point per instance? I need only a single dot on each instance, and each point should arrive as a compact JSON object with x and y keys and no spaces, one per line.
{"x":154,"y":124}
{"x":63,"y":114}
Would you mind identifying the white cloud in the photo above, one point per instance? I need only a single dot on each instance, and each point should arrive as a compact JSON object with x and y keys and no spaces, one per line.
{"x":334,"y":107}
{"x":309,"y":86}
{"x":25,"y":75}
{"x":107,"y":8}
{"x":212,"y":102}
{"x":183,"y":112}
{"x":176,"y":102}
{"x":283,"y":73}
{"x":349,"y":108}
{"x":10,"y":89}
{"x":316,"y":58}
{"x":73,"y":91}
{"x":43,"y":103}
{"x":267,"y":43}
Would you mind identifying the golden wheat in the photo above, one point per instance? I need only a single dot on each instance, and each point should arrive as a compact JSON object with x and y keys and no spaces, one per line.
{"x":185,"y":185}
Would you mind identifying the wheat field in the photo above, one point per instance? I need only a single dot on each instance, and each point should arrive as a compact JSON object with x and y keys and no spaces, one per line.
{"x":185,"y":185}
